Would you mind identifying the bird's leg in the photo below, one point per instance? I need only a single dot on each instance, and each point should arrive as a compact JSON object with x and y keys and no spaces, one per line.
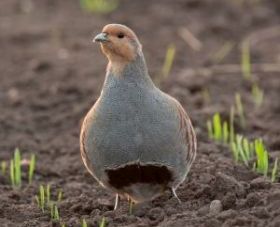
{"x":173,"y":190}
{"x":116,"y":201}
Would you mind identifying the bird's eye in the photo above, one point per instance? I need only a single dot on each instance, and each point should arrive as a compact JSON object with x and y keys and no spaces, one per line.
{"x":120,"y":35}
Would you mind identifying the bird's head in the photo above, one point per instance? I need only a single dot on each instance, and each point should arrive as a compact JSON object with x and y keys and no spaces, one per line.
{"x":120,"y":45}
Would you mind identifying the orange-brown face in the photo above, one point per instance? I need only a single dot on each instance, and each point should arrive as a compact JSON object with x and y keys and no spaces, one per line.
{"x":118,"y":43}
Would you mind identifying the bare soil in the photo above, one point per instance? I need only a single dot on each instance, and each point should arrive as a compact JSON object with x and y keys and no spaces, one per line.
{"x":51,"y":74}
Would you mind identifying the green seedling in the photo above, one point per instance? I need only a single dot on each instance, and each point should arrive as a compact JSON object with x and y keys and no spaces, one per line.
{"x":59,"y":195}
{"x":40,"y":199}
{"x":246,"y":61}
{"x":225,"y":132}
{"x":99,"y":6}
{"x":84,"y":223}
{"x":31,"y":168}
{"x":3,"y":167}
{"x":15,"y":169}
{"x":48,"y":193}
{"x":103,"y":222}
{"x":258,"y":95}
{"x":231,"y":125}
{"x":217,"y":129}
{"x":262,"y":157}
{"x":54,"y":211}
{"x":223,"y":51}
{"x":242,"y":149}
{"x":240,"y":110}
{"x":169,"y":59}
{"x":274,"y":170}
{"x":210,"y":129}
{"x":44,"y":201}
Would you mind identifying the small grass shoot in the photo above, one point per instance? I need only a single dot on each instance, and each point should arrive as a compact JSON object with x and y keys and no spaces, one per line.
{"x":31,"y":168}
{"x":262,"y":157}
{"x":223,"y":51}
{"x":257,"y":95}
{"x":3,"y":168}
{"x":240,"y":110}
{"x":84,"y":223}
{"x":218,"y":129}
{"x":40,"y":199}
{"x":231,"y":124}
{"x":246,"y":60}
{"x":242,"y":149}
{"x":54,"y":211}
{"x":274,"y":173}
{"x":99,"y":6}
{"x":103,"y":222}
{"x":45,"y":203}
{"x":15,"y":169}
{"x":169,"y":59}
{"x":59,"y":195}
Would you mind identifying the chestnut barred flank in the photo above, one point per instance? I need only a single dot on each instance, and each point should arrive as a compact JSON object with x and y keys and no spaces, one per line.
{"x":135,"y":173}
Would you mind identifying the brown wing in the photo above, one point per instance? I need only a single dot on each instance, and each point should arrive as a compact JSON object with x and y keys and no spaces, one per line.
{"x":188,"y":132}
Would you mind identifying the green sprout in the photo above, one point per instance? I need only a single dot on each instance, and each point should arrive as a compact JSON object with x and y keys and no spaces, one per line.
{"x":40,"y":199}
{"x":242,"y":148}
{"x":3,"y":167}
{"x":246,"y":61}
{"x":103,"y":222}
{"x":225,"y":132}
{"x":44,"y":201}
{"x":169,"y":59}
{"x":99,"y":6}
{"x":31,"y":168}
{"x":262,"y":157}
{"x":223,"y":51}
{"x":274,"y":170}
{"x":231,"y":124}
{"x":15,"y":169}
{"x":48,"y":193}
{"x":217,"y":129}
{"x":258,"y":95}
{"x":54,"y":211}
{"x":84,"y":223}
{"x":240,"y":110}
{"x":59,"y":195}
{"x":210,"y":129}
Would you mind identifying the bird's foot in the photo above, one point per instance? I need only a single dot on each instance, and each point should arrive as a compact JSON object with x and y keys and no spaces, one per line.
{"x":173,"y":190}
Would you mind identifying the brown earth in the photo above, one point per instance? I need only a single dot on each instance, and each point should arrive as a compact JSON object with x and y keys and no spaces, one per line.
{"x":51,"y":74}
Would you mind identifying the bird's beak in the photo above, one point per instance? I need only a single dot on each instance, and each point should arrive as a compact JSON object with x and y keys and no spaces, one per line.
{"x":101,"y":37}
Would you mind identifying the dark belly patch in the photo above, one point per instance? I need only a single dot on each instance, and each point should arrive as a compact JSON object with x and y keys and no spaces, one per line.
{"x":136,"y":173}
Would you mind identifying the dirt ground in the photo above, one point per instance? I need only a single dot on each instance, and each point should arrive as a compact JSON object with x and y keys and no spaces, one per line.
{"x":51,"y":74}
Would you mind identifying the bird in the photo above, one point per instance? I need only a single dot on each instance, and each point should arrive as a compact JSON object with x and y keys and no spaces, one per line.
{"x":136,"y":140}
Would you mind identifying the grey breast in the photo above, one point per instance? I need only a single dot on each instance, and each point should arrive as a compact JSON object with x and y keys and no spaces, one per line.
{"x":133,"y":123}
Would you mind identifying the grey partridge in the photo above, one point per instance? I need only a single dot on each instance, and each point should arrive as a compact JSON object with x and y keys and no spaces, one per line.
{"x":136,"y":140}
